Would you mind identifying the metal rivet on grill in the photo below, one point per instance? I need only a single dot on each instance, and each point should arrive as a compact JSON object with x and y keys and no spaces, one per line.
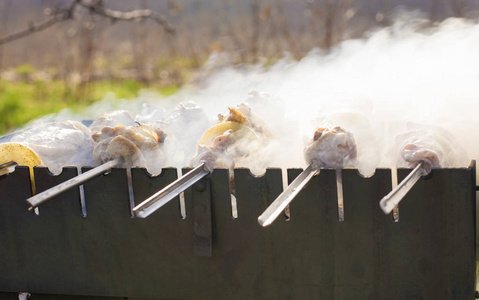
{"x":200,"y":186}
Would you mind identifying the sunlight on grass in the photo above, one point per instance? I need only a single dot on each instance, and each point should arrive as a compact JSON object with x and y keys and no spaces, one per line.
{"x":21,"y":102}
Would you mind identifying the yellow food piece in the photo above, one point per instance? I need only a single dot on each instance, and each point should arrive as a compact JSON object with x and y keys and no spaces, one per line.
{"x":22,"y":155}
{"x":240,"y":131}
{"x":236,"y":116}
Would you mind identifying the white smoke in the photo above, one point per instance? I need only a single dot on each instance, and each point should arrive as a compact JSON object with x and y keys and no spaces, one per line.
{"x":408,"y":74}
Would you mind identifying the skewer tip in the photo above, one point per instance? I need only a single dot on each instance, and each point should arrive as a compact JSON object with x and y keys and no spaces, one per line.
{"x":139,"y":214}
{"x":262,"y":222}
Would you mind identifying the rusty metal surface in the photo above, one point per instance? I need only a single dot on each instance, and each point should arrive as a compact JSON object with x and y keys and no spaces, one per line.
{"x":428,"y":254}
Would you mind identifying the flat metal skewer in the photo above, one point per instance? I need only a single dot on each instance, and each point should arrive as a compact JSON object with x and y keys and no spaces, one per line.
{"x":232,"y":187}
{"x":71,"y":183}
{"x":284,"y":175}
{"x":278,"y":205}
{"x":7,"y":168}
{"x":394,"y":184}
{"x":131,"y":193}
{"x":81,"y":189}
{"x":391,"y":200}
{"x":182,"y":197}
{"x":339,"y":186}
{"x":157,"y":200}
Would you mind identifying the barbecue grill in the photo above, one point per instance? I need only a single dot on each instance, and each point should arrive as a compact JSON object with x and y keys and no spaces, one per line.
{"x":428,"y":253}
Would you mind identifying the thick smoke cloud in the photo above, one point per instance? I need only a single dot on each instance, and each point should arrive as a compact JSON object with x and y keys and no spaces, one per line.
{"x":404,"y":77}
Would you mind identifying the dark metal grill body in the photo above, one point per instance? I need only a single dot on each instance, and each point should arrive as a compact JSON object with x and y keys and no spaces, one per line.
{"x":428,"y":254}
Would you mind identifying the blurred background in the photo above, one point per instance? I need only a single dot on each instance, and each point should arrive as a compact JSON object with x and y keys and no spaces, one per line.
{"x":71,"y":53}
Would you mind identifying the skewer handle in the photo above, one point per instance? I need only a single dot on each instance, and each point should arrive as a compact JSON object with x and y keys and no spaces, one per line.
{"x":278,"y":205}
{"x":391,"y":200}
{"x":147,"y":207}
{"x":69,"y":184}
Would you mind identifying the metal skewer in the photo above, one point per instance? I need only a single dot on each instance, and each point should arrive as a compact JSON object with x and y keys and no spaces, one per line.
{"x":74,"y":182}
{"x":147,"y":207}
{"x":7,"y":168}
{"x":278,"y":205}
{"x":182,"y":197}
{"x":391,"y":200}
{"x":339,"y":186}
{"x":131,"y":194}
{"x":394,"y":184}
{"x":284,"y":175}
{"x":232,"y":187}
{"x":81,"y":189}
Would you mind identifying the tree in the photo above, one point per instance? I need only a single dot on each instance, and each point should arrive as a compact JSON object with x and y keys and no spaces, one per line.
{"x":94,"y":7}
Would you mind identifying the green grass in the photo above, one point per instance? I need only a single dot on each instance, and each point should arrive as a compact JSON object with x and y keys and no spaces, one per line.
{"x":21,"y":102}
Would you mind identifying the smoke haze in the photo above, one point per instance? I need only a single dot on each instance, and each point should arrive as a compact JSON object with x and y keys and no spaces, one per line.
{"x":406,"y":76}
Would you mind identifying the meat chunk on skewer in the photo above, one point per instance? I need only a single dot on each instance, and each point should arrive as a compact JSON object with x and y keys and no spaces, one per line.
{"x":330,"y":148}
{"x":235,"y":137}
{"x":242,"y":114}
{"x":421,"y":150}
{"x":139,"y":146}
{"x":432,"y":148}
{"x":216,"y":154}
{"x":414,"y":154}
{"x":219,"y":146}
{"x":59,"y":144}
{"x":111,"y":119}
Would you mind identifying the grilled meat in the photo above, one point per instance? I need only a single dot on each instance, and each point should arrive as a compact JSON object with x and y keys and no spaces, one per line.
{"x":413,"y":153}
{"x":115,"y":147}
{"x":59,"y":144}
{"x":138,"y":145}
{"x":435,"y":148}
{"x":239,"y":137}
{"x":242,"y":114}
{"x":330,"y":148}
{"x":218,"y":153}
{"x":111,"y":119}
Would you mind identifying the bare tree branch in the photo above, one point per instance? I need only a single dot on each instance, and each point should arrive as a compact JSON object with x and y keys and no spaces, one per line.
{"x":115,"y":15}
{"x":95,"y":7}
{"x":58,"y":16}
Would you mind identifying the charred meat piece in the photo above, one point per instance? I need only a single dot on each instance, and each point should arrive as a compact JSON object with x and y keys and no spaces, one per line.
{"x":330,"y":148}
